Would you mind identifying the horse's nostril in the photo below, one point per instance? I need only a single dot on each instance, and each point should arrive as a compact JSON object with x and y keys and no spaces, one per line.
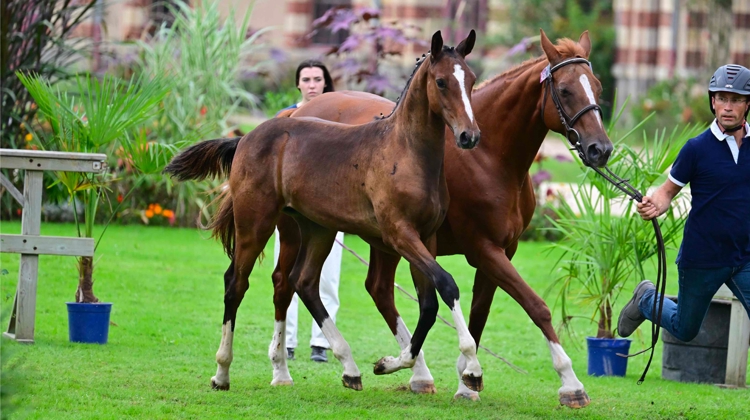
{"x":464,"y":139}
{"x":594,"y":152}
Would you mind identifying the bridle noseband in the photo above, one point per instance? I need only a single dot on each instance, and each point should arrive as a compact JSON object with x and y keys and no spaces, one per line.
{"x":619,"y":183}
{"x":567,"y":121}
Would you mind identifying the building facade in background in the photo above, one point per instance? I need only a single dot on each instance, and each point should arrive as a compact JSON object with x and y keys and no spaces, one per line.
{"x":664,"y":39}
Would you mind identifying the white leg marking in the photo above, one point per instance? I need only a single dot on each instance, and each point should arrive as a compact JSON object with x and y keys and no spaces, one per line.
{"x":224,"y":356}
{"x":466,"y":342}
{"x":277,"y":354}
{"x":459,"y":75}
{"x":463,"y":390}
{"x":587,"y":87}
{"x":564,"y":368}
{"x":340,"y":348}
{"x":421,"y":372}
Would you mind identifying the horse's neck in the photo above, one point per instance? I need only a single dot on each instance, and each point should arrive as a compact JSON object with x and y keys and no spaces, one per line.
{"x":414,"y":120}
{"x":514,"y":122}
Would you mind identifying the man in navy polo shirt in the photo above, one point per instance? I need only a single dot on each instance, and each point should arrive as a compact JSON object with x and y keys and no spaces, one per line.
{"x":716,"y":242}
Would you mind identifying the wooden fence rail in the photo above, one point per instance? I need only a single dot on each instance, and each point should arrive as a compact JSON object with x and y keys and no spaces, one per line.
{"x":29,"y":243}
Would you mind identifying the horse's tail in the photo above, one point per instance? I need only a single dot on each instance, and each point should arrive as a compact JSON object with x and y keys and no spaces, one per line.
{"x":222,"y":223}
{"x":204,"y":159}
{"x":211,"y":158}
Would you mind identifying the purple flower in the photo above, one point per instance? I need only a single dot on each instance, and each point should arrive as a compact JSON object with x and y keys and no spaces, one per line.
{"x":378,"y":84}
{"x":563,"y":158}
{"x":519,"y":48}
{"x":277,"y":55}
{"x":540,"y":177}
{"x":351,"y":43}
{"x":342,"y":20}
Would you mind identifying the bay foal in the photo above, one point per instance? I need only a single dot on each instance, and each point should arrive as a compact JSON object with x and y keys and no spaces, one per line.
{"x":383,"y":181}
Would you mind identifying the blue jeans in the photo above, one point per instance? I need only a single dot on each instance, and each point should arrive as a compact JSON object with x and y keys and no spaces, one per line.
{"x":697,"y":286}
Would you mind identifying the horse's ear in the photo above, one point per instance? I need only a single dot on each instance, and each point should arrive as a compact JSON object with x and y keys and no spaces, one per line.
{"x":549,"y":50}
{"x":436,"y":48}
{"x":465,"y":46}
{"x":585,"y":42}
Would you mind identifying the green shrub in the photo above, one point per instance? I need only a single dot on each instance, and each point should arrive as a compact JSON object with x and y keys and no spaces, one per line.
{"x":605,"y":252}
{"x":673,"y":102}
{"x":203,"y":55}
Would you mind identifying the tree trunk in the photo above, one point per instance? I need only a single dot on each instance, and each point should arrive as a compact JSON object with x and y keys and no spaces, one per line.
{"x":85,"y":292}
{"x":605,"y":321}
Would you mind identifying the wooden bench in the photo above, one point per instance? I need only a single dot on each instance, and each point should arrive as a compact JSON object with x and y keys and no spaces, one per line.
{"x":29,"y":243}
{"x":739,"y":340}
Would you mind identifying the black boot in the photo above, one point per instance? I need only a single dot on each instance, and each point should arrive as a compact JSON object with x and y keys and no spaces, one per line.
{"x":318,"y":354}
{"x":290,"y":353}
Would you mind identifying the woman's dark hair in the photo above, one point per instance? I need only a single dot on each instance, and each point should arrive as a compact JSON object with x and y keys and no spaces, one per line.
{"x":315,"y":63}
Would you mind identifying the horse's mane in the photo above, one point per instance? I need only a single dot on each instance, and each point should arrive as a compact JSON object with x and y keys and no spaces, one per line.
{"x":565,"y":46}
{"x":446,"y":50}
{"x":408,"y":82}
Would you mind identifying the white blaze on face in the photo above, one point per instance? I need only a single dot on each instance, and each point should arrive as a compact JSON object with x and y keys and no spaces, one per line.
{"x":459,"y":75}
{"x":590,"y":93}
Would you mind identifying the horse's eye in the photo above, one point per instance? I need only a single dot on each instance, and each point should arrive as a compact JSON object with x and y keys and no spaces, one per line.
{"x":441,"y":83}
{"x":564,"y":92}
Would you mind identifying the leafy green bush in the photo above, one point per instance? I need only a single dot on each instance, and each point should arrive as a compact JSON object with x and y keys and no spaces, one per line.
{"x":673,"y":102}
{"x":275,"y":101}
{"x":604,"y":251}
{"x":97,"y":117}
{"x":203,"y":55}
{"x":35,"y":37}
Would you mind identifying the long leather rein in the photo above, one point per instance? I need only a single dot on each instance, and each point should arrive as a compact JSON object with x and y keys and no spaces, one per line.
{"x":621,"y":184}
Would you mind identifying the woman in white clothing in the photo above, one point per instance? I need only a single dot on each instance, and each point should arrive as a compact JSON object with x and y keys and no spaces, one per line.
{"x":313,"y":79}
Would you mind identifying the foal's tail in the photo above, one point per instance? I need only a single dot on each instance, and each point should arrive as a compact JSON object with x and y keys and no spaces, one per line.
{"x":204,"y":159}
{"x":211,"y":158}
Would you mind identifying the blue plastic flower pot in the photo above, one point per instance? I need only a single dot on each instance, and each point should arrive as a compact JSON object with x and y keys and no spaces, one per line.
{"x":603,"y":358}
{"x":88,"y":322}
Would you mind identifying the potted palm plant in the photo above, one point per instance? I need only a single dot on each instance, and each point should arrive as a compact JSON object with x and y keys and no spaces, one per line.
{"x":606,"y":247}
{"x":96,"y":116}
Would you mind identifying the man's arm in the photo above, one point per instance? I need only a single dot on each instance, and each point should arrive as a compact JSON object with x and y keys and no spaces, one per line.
{"x":658,"y":203}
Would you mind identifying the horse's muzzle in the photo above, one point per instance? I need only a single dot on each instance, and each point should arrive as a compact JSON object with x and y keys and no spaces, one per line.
{"x":468,"y":139}
{"x":598,"y":154}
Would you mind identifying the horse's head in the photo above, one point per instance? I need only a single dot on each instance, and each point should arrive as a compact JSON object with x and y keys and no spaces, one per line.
{"x":449,"y":85}
{"x":570,"y":98}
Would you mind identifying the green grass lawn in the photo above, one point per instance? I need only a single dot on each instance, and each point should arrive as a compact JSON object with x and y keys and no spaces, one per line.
{"x":166,"y":286}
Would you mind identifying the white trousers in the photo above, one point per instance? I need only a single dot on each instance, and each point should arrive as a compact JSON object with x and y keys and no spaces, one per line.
{"x":329,"y":294}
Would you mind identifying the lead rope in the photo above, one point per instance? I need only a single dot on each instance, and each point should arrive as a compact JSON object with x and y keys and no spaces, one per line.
{"x":661,"y":276}
{"x":629,"y":190}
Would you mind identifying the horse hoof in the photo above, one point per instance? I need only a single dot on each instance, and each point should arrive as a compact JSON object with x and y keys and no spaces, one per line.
{"x":474,"y":383}
{"x":353,"y":382}
{"x":215,"y":385}
{"x":466,"y":395}
{"x":282,"y":382}
{"x":575,"y":399}
{"x":423,"y":387}
{"x":380,"y":368}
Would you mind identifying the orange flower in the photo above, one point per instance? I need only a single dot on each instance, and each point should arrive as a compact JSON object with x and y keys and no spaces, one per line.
{"x":150,"y":206}
{"x":29,"y":137}
{"x":149,"y":213}
{"x":204,"y":110}
{"x":168,"y":213}
{"x":157,"y":209}
{"x":119,"y":198}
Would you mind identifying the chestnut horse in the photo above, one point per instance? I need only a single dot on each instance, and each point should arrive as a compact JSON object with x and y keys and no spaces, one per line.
{"x":383,"y":181}
{"x":491,"y":196}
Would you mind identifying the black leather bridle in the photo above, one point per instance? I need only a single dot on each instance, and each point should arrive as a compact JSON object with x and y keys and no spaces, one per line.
{"x":619,"y":183}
